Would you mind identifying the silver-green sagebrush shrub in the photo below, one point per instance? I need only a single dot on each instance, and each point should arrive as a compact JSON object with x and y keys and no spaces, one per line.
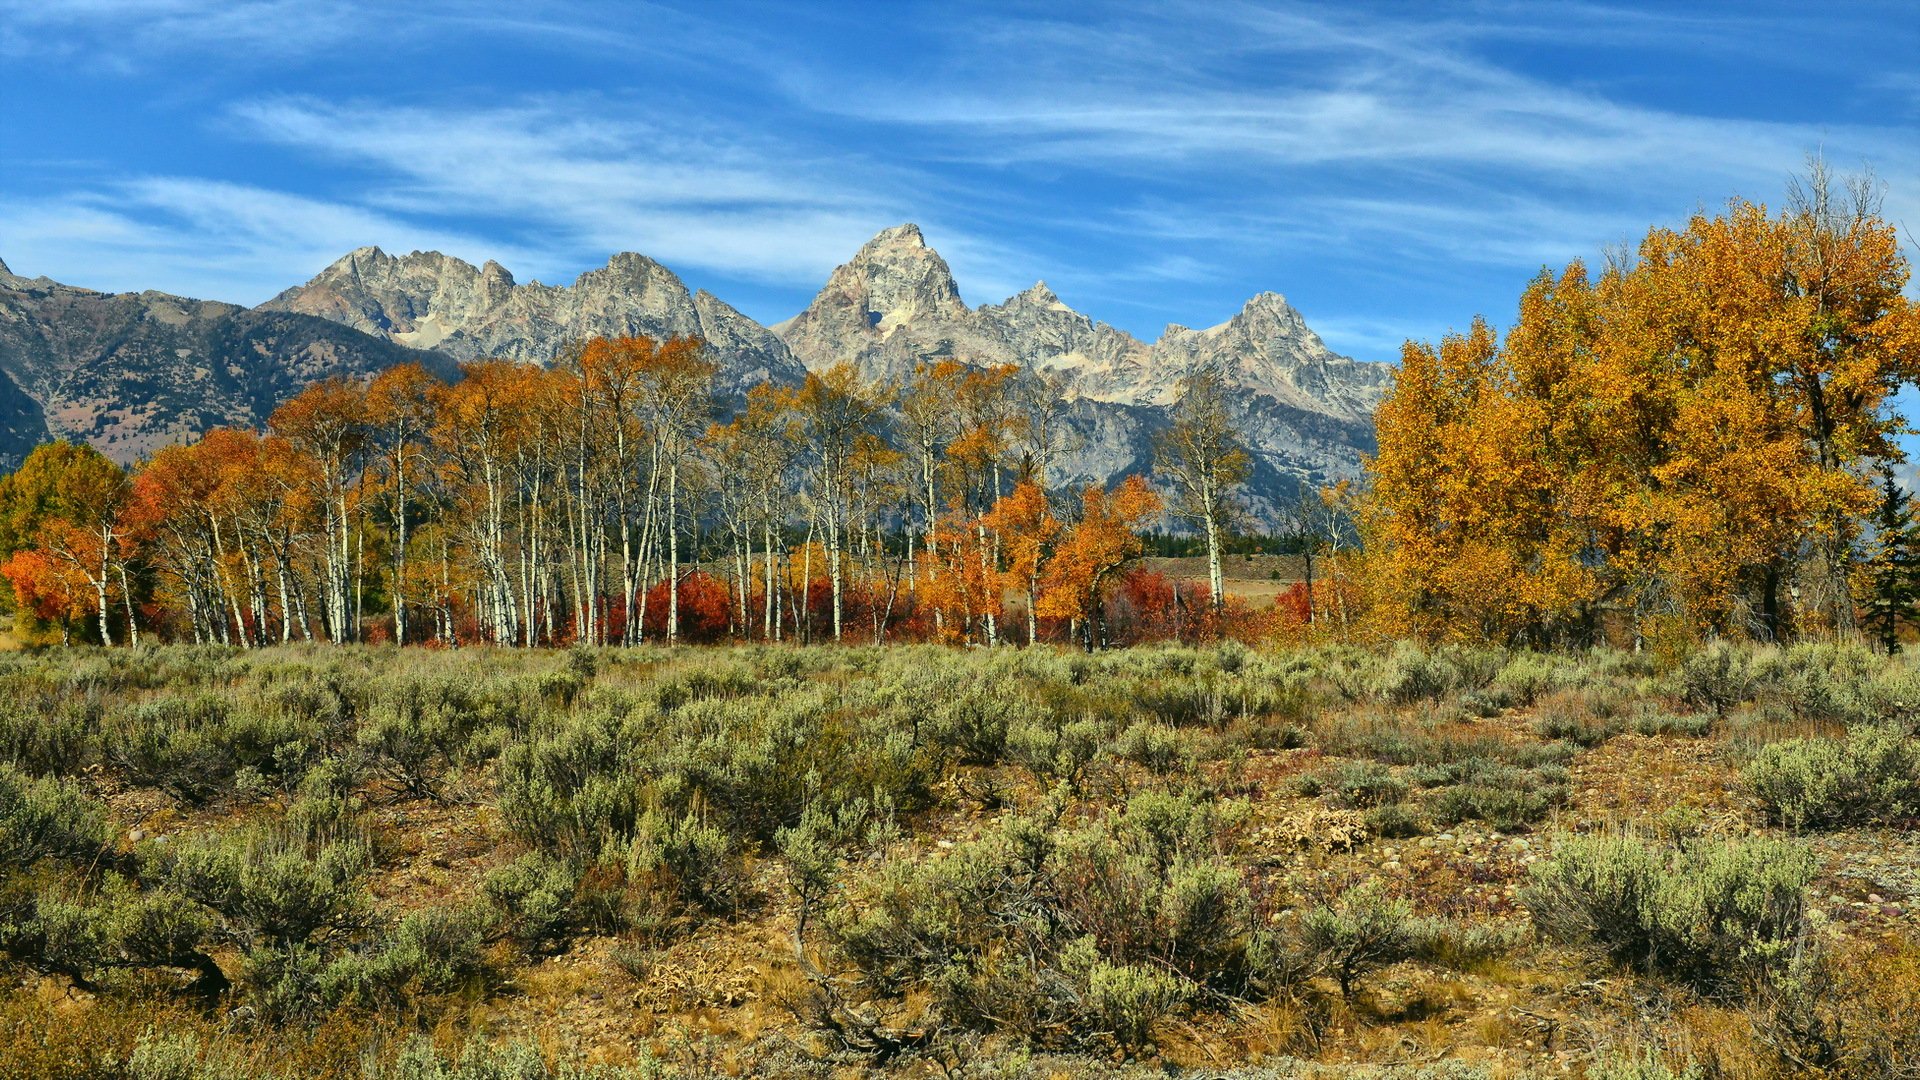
{"x":1361,"y":931}
{"x":270,"y":884}
{"x":1064,"y":936}
{"x":1873,"y":775}
{"x":533,"y":898}
{"x":1713,"y":914}
{"x":48,"y":818}
{"x":431,"y":951}
{"x":1648,"y":1064}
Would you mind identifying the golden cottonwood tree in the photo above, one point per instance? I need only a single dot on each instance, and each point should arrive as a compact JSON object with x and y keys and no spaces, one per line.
{"x":1686,"y":437}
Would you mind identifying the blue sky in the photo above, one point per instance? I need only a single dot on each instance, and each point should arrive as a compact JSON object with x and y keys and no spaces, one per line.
{"x":1392,"y":168}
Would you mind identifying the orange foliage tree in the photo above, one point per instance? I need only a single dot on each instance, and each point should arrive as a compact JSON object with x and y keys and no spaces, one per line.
{"x":1105,"y":539}
{"x":1682,"y":442}
{"x":1025,"y":523}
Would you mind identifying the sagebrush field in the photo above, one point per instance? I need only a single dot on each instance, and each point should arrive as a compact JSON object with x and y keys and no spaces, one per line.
{"x":363,"y":862}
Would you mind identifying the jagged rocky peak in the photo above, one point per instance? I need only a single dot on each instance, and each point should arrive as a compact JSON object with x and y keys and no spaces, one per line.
{"x":431,"y":300}
{"x":1037,"y":295}
{"x":494,"y":273}
{"x":891,"y":305}
{"x":901,"y":279}
{"x":1270,"y":313}
{"x":3,"y":269}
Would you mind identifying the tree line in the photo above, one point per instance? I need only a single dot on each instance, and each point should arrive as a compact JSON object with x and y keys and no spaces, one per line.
{"x":615,"y":497}
{"x":1693,"y":442}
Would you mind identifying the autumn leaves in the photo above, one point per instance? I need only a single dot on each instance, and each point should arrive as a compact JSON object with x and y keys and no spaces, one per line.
{"x":1682,"y":444}
{"x":609,"y":498}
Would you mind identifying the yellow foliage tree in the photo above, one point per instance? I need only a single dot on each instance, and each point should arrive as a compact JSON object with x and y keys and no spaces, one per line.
{"x":1686,"y":437}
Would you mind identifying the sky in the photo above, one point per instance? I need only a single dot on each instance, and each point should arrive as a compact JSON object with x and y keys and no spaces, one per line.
{"x":1393,"y":169}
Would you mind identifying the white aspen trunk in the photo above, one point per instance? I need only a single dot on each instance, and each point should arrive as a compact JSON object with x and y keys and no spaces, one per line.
{"x":833,"y":562}
{"x":673,"y":549}
{"x":742,"y":563}
{"x":772,"y":625}
{"x":806,"y":589}
{"x":400,"y":542}
{"x":100,"y":586}
{"x":286,"y":609}
{"x":986,"y":582}
{"x":229,"y":597}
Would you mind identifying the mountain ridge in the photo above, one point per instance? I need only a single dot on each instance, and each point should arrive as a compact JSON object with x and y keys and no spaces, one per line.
{"x":895,"y":305}
{"x":1306,"y":410}
{"x":131,"y":372}
{"x":426,"y":298}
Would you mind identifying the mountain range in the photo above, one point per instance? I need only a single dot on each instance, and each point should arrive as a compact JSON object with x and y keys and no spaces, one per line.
{"x":130,"y":372}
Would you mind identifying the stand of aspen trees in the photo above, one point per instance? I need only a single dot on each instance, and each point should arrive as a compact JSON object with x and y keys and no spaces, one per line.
{"x":610,"y":498}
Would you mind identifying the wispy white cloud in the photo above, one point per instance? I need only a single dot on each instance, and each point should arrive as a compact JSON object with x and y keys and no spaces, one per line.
{"x":207,"y":239}
{"x":120,"y":35}
{"x":582,"y":177}
{"x":1256,"y":109}
{"x":1135,"y":154}
{"x":1378,"y":93}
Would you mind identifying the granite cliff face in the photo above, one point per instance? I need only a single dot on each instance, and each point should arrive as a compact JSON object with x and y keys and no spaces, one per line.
{"x":430,"y":300}
{"x":131,"y":372}
{"x":1306,"y":411}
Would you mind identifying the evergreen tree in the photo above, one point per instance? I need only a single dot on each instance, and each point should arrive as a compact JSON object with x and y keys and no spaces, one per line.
{"x":1892,"y":570}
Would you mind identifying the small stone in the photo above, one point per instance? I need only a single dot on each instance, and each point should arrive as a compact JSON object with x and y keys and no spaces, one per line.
{"x":137,"y":835}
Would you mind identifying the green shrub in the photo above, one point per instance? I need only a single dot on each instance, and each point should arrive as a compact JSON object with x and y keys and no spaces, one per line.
{"x":534,"y":898}
{"x":431,"y":951}
{"x":1507,"y":807}
{"x":172,"y":743}
{"x":1522,"y":679}
{"x":1396,"y":821}
{"x":1058,"y":751}
{"x":670,"y":868}
{"x":419,"y":1060}
{"x":1585,"y":719}
{"x":1123,"y":1001}
{"x":1359,"y":932}
{"x":48,"y":818}
{"x":1460,"y":944}
{"x":1717,"y":678}
{"x":415,"y":730}
{"x":1409,"y":673}
{"x":1361,"y":784}
{"x":1157,"y":747}
{"x":571,"y":788}
{"x":1039,"y":931}
{"x":1873,"y":775}
{"x":183,"y":1056}
{"x":1708,"y":914}
{"x":89,"y":934}
{"x":43,"y":731}
{"x":1646,"y":1065}
{"x":191,"y":745}
{"x":1820,"y":682}
{"x":1648,"y":718}
{"x":270,"y":885}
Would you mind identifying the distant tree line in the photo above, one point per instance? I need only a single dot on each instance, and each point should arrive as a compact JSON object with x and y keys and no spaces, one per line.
{"x":614,"y":498}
